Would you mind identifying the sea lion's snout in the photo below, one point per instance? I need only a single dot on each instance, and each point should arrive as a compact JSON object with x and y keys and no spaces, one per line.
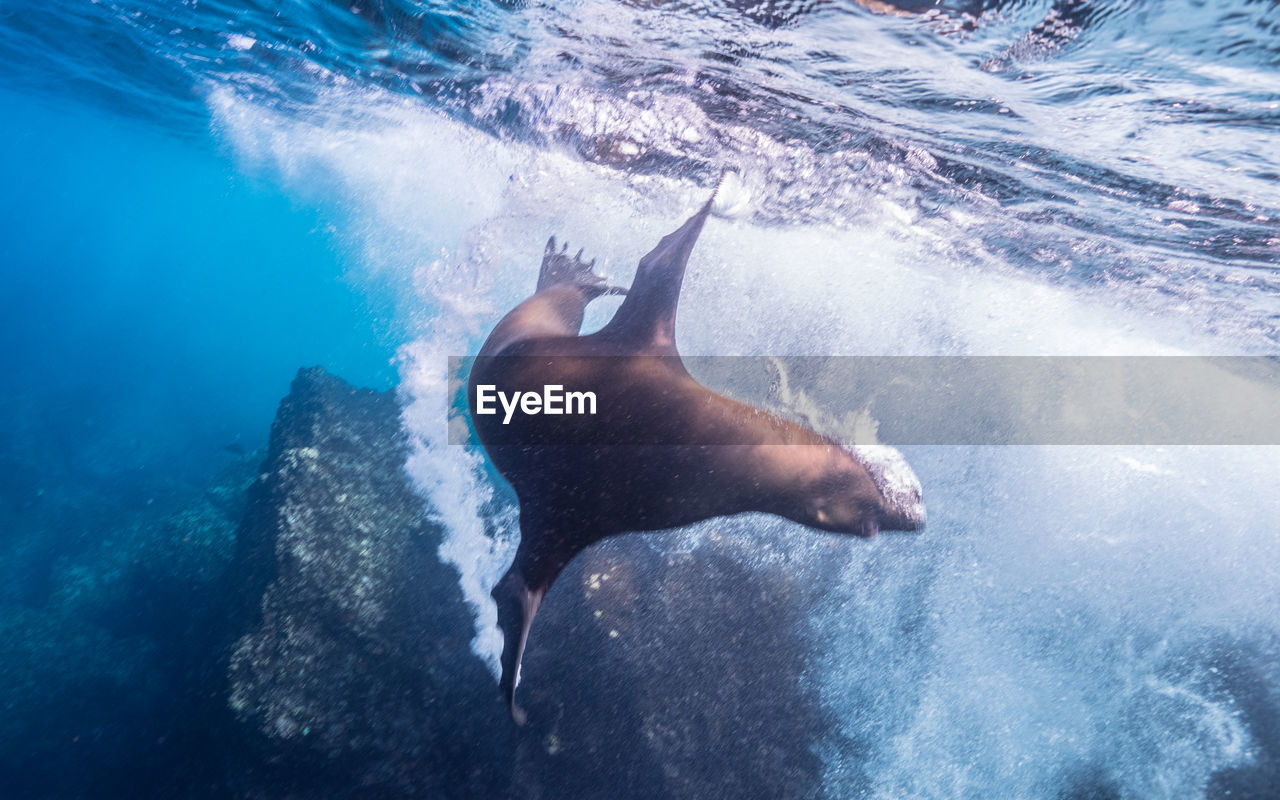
{"x":902,"y":507}
{"x":892,"y":518}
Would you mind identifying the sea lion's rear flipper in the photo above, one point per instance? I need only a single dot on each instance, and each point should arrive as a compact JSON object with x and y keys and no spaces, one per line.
{"x":558,"y":267}
{"x":539,"y":560}
{"x":647,"y":318}
{"x":517,"y":605}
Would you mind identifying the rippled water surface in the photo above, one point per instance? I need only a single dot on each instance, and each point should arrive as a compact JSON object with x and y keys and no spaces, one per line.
{"x":1131,"y":140}
{"x":976,"y":178}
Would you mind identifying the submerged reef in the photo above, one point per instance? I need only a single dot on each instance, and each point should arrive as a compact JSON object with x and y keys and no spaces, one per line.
{"x":108,"y":641}
{"x":352,"y":670}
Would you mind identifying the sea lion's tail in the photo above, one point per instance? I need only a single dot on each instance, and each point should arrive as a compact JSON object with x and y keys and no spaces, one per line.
{"x":647,"y":318}
{"x":558,"y":267}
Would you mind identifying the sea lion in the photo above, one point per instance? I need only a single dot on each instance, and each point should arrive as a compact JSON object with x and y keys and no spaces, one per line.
{"x":659,"y":451}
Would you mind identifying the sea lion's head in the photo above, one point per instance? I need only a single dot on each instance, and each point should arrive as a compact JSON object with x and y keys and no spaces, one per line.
{"x":862,"y":490}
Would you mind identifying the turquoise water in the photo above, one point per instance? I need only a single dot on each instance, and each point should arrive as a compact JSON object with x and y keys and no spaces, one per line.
{"x":202,"y":197}
{"x":158,"y":298}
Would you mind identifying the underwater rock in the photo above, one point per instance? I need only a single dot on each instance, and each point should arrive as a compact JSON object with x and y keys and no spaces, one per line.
{"x":661,"y":666}
{"x":353,"y":673}
{"x":671,"y":665}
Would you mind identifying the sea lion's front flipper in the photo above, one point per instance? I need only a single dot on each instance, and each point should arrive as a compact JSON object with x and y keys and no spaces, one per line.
{"x":558,"y":267}
{"x":647,"y":318}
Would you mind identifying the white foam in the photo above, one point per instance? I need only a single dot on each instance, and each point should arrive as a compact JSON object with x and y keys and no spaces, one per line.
{"x":238,"y":41}
{"x":732,"y":198}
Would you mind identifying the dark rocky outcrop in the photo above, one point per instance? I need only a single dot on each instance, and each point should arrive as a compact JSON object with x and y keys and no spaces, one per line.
{"x":352,"y":671}
{"x":655,"y":670}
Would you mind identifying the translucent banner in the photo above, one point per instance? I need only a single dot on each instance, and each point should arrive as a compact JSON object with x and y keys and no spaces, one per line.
{"x":908,"y":400}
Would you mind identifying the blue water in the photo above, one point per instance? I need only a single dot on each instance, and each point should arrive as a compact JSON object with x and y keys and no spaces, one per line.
{"x":157,"y":298}
{"x":201,"y":197}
